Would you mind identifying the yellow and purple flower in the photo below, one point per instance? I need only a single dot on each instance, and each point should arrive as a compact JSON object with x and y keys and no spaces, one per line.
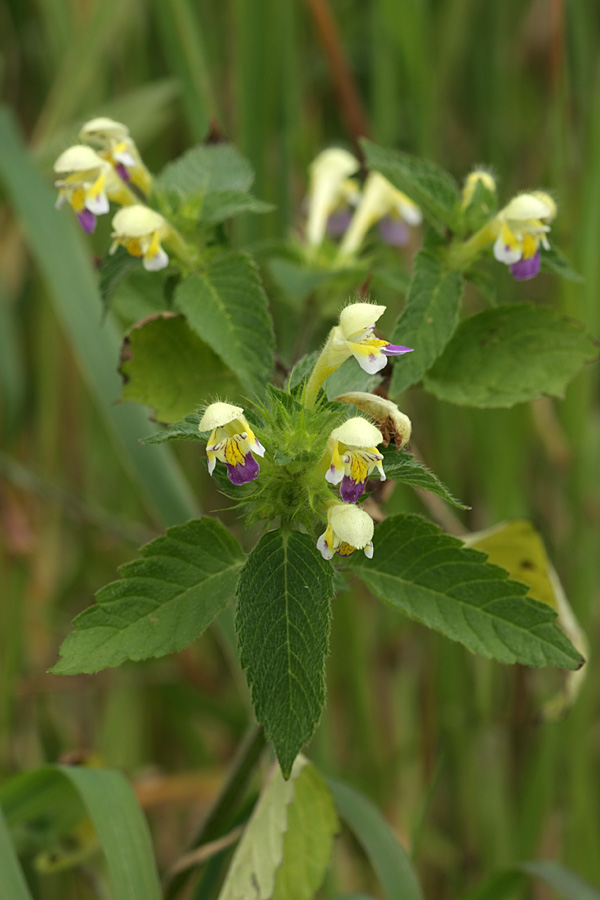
{"x":349,"y":528}
{"x":115,"y":145}
{"x":353,"y":457}
{"x":87,"y":182}
{"x":522,"y":227}
{"x":354,"y":337}
{"x":381,"y":202}
{"x":231,"y":442}
{"x":140,"y":230}
{"x":330,"y":190}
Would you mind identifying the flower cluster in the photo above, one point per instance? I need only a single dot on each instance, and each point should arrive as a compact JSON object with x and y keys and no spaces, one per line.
{"x":349,"y":452}
{"x":333,"y":195}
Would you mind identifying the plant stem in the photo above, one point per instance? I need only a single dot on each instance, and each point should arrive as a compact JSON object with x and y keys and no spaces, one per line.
{"x":460,"y":255}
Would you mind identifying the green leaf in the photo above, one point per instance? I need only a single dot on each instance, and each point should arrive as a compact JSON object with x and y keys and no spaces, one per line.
{"x":565,"y":882}
{"x":113,"y":269}
{"x":434,"y":579}
{"x":428,"y":320}
{"x":399,"y":465}
{"x":510,"y":354}
{"x":350,"y":377}
{"x":226,"y":306}
{"x":282,"y":622}
{"x":554,"y":261}
{"x":308,"y":843}
{"x":430,"y":187}
{"x":207,"y":169}
{"x":222,"y":205}
{"x":386,"y":854}
{"x":166,"y":366}
{"x":297,"y":279}
{"x":13,"y":881}
{"x":162,"y":602}
{"x":186,"y":430}
{"x":260,"y":851}
{"x":124,"y":838}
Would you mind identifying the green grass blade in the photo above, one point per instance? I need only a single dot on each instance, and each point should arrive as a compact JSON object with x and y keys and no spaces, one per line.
{"x":12,"y":879}
{"x":59,"y":252}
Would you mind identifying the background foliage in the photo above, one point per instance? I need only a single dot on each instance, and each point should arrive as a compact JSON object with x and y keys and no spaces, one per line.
{"x":449,"y":746}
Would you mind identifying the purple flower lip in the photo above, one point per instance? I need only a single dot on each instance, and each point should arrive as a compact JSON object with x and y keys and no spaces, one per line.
{"x":394,"y":231}
{"x":87,"y":220}
{"x":338,"y":222}
{"x":122,"y":171}
{"x":241,"y":474}
{"x":395,"y":350}
{"x":524,"y":269}
{"x":351,"y":491}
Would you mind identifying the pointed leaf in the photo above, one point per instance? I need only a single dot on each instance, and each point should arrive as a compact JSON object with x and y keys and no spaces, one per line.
{"x":221,"y":205}
{"x":399,"y":465}
{"x":260,"y":851}
{"x":226,"y":306}
{"x":166,"y":366}
{"x":428,"y":320}
{"x":430,"y":187}
{"x":282,"y":621}
{"x":386,"y":854}
{"x":509,"y":355}
{"x":186,"y":430}
{"x":308,"y":843}
{"x":162,"y":602}
{"x":434,"y":579}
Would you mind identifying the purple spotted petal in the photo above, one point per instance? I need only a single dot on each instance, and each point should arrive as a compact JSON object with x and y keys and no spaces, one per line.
{"x":338,"y":222}
{"x":395,"y":350}
{"x":122,"y":171}
{"x":350,"y":490}
{"x":87,"y":220}
{"x":243,"y":473}
{"x":394,"y":231}
{"x":525,"y":269}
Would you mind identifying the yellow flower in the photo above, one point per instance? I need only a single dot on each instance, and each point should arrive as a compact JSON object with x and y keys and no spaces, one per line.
{"x":140,"y":230}
{"x":87,"y":182}
{"x":477,"y":176}
{"x":231,"y":442}
{"x":330,"y":187}
{"x":354,"y":337}
{"x":349,"y":528}
{"x":380,"y":200}
{"x":353,"y":457}
{"x":521,"y":227}
{"x":116,"y":146}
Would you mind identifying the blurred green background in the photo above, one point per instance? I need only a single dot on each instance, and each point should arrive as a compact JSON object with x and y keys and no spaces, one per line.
{"x":450,"y":746}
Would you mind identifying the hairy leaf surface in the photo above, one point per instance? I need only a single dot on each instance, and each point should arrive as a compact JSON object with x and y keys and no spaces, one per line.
{"x":162,"y":602}
{"x":207,"y":169}
{"x":282,"y":621}
{"x":430,"y":187}
{"x":434,"y":579}
{"x":509,"y":355}
{"x":428,"y":320}
{"x":399,"y":465}
{"x":226,"y":306}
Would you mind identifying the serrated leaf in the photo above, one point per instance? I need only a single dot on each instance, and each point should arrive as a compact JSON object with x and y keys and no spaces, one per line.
{"x":207,"y":169}
{"x":509,"y":355}
{"x":185,"y":430}
{"x":308,"y":843}
{"x":386,"y":854}
{"x":221,"y":205}
{"x":399,"y":465}
{"x":161,"y":604}
{"x":226,"y":306}
{"x":260,"y":851}
{"x":434,"y":579}
{"x":428,"y":320}
{"x":166,"y":366}
{"x":282,"y":621}
{"x":429,"y":186}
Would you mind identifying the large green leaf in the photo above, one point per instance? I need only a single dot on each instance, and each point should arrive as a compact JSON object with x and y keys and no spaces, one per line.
{"x":166,"y":366}
{"x":431,"y":188}
{"x":162,"y":602}
{"x":434,"y":579}
{"x":401,"y":466}
{"x":11,"y":875}
{"x":388,"y":857}
{"x":509,"y":355}
{"x":221,"y":205}
{"x":428,"y":320}
{"x":308,"y":843}
{"x":226,"y":305}
{"x":207,"y":169}
{"x":282,"y":621}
